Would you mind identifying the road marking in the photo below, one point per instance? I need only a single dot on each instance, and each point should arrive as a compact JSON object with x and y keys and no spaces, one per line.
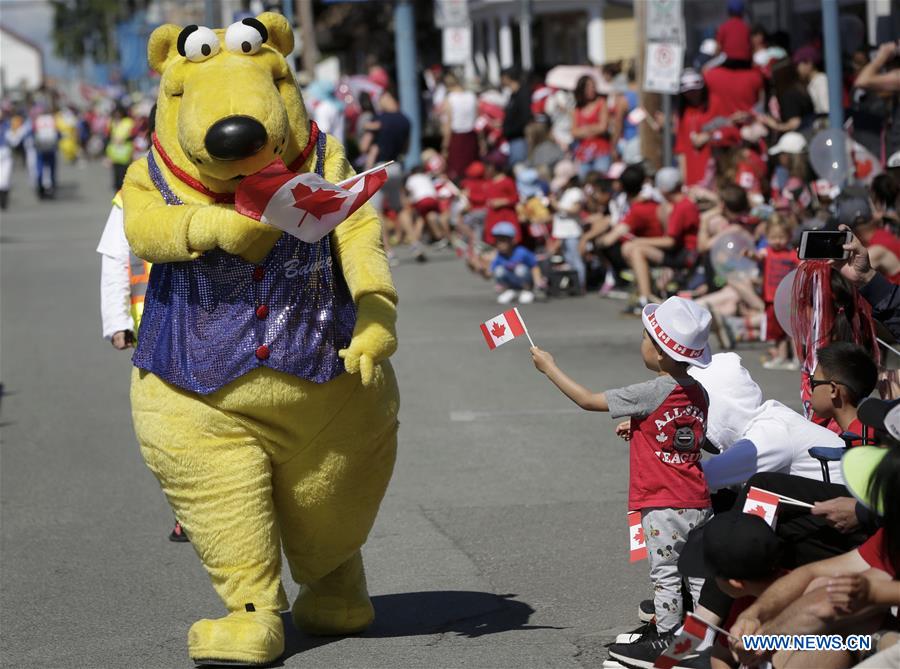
{"x":469,"y":416}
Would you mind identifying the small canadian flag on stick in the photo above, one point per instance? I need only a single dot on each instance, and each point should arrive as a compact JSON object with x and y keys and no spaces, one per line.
{"x":304,"y":205}
{"x":692,"y":635}
{"x":636,"y":538}
{"x":503,"y":328}
{"x":762,"y":503}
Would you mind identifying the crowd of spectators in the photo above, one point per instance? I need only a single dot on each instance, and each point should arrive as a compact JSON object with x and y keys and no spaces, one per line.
{"x":39,"y":130}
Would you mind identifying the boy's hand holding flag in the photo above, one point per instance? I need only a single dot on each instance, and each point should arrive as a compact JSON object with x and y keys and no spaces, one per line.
{"x":304,"y":205}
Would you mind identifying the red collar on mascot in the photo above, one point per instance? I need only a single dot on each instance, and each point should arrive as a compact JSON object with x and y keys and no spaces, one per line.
{"x":228,"y":198}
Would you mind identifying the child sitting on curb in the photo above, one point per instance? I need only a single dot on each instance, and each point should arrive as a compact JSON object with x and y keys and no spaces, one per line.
{"x":514,"y":268}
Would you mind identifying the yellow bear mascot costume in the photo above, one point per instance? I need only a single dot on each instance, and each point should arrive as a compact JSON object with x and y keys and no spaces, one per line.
{"x":262,"y":396}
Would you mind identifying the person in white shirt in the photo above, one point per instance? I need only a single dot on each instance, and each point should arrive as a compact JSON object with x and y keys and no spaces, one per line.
{"x":753,"y":435}
{"x":460,"y":140}
{"x":327,"y":110}
{"x":807,"y":59}
{"x":119,"y":284}
{"x":567,"y":228}
{"x":115,"y":284}
{"x":421,"y":208}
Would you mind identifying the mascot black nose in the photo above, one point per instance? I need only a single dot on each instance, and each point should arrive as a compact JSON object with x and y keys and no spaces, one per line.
{"x":235,"y":137}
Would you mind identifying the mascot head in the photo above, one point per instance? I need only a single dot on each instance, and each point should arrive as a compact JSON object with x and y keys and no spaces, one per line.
{"x":228,"y":103}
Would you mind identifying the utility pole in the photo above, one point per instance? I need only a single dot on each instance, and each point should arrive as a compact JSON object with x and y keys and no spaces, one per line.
{"x":308,"y":35}
{"x":407,"y":75}
{"x":832,"y":34}
{"x":525,"y":35}
{"x":210,"y":16}
{"x":650,"y":145}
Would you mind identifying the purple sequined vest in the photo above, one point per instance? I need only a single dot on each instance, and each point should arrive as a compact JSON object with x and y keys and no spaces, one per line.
{"x":211,"y":320}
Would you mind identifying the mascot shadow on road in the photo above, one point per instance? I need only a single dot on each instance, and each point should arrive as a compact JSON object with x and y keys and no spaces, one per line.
{"x":262,"y":397}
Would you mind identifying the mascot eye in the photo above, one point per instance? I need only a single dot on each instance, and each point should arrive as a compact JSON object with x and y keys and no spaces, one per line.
{"x":197,"y":43}
{"x":246,"y":36}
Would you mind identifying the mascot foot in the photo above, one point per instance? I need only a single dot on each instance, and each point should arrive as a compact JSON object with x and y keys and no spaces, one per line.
{"x":337,"y":604}
{"x":242,"y":638}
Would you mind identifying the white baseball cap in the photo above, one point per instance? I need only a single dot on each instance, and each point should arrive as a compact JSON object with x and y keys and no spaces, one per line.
{"x":790,"y":142}
{"x":668,"y":179}
{"x":691,"y":80}
{"x":681,"y":328}
{"x":709,"y":47}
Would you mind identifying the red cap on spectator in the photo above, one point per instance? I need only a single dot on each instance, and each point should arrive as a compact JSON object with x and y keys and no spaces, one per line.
{"x":475,"y":170}
{"x":725,"y":137}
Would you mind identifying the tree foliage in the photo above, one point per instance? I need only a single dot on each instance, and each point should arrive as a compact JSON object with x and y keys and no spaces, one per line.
{"x":86,"y":28}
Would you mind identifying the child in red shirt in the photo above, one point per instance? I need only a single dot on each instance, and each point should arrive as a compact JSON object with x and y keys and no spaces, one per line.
{"x":691,"y":141}
{"x":777,"y":260}
{"x":666,"y":429}
{"x":501,"y":197}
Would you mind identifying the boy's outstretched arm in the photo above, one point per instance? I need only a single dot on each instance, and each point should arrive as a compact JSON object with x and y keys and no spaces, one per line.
{"x":583,"y":397}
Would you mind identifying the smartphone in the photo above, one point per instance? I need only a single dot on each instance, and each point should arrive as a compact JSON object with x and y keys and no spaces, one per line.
{"x":824,"y":245}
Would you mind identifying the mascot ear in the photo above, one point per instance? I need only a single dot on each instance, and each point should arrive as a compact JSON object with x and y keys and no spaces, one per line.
{"x":280,"y":34}
{"x":163,"y":45}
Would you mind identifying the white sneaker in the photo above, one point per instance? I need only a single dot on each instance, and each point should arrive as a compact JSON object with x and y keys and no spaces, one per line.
{"x":628,"y":637}
{"x":507,"y":296}
{"x":526,"y":297}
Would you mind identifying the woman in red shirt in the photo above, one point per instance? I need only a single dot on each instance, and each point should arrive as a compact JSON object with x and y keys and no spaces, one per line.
{"x":501,"y":197}
{"x":691,"y":142}
{"x":590,"y":126}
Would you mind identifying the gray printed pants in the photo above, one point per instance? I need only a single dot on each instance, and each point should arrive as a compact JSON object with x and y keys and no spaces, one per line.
{"x":663,"y":529}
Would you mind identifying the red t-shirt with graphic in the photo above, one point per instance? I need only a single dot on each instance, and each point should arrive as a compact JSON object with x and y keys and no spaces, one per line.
{"x":668,"y":425}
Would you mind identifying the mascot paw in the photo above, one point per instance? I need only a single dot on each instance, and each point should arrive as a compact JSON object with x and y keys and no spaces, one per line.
{"x":374,"y":337}
{"x":337,"y":604}
{"x":243,"y":637}
{"x":220,"y":225}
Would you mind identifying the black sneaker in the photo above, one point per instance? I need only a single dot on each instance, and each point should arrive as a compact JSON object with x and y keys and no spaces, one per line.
{"x":178,"y":534}
{"x":641,"y":654}
{"x":644,"y":632}
{"x":646,"y":611}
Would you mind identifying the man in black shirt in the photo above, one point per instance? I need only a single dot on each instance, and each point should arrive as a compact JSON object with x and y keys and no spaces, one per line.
{"x":518,"y":115}
{"x":391,"y":140}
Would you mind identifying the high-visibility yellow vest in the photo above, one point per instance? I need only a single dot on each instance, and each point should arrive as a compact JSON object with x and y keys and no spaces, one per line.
{"x":138,"y":276}
{"x":120,"y":147}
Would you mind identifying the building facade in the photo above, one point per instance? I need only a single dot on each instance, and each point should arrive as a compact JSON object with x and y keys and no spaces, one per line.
{"x":539,"y":34}
{"x":21,"y":63}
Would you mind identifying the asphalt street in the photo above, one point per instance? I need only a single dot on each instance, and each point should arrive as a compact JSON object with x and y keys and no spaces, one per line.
{"x":502,"y":541}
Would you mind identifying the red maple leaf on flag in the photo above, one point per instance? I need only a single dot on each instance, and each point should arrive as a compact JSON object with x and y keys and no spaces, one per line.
{"x":682,"y":648}
{"x":316,"y":202}
{"x":498,"y":330}
{"x":758,"y":510}
{"x":639,"y":535}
